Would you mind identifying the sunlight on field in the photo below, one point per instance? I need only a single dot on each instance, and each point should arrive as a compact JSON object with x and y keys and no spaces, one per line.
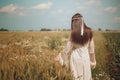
{"x":29,"y":56}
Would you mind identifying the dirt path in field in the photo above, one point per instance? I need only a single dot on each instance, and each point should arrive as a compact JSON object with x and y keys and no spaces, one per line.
{"x":102,"y":54}
{"x":100,"y":48}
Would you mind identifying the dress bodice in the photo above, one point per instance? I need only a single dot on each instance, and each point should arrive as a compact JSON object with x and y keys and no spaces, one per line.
{"x":75,"y":46}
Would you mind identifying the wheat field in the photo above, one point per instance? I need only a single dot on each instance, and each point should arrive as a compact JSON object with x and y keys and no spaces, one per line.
{"x":29,"y":56}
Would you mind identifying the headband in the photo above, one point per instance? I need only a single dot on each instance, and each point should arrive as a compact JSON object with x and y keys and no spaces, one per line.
{"x":82,"y":27}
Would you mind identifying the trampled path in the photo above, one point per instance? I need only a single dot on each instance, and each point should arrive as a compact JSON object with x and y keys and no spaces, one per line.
{"x":102,"y":55}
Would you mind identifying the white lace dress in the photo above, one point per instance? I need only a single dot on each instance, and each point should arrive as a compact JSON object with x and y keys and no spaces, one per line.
{"x":79,"y":60}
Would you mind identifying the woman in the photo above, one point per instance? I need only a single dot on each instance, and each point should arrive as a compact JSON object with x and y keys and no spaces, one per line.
{"x":81,"y":42}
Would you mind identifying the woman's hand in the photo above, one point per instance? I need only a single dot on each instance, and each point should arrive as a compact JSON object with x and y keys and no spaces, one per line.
{"x":92,"y":60}
{"x":59,"y":59}
{"x":93,"y":64}
{"x":56,"y":59}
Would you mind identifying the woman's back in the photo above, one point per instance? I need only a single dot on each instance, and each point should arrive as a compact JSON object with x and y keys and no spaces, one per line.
{"x":82,"y":45}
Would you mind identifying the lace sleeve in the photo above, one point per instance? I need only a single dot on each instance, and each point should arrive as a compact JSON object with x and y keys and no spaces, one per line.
{"x":68,"y":47}
{"x":63,"y":56}
{"x":92,"y":54}
{"x":91,"y":47}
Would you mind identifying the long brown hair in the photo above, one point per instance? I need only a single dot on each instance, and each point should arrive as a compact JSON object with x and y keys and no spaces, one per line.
{"x":76,"y":36}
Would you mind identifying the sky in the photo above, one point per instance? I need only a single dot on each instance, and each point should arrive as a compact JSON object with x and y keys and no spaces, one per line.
{"x":56,"y":14}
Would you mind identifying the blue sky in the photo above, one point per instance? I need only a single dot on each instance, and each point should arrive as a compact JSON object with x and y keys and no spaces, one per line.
{"x":53,"y":14}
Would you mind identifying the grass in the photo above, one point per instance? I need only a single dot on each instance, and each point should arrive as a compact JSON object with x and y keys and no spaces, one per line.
{"x":29,"y":56}
{"x":113,"y":45}
{"x":101,"y":70}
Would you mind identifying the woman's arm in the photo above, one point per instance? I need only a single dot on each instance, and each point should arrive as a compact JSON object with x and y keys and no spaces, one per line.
{"x":63,"y":55}
{"x":92,"y":54}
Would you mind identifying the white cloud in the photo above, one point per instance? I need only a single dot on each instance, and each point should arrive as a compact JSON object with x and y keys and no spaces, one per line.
{"x":22,"y":11}
{"x":117,"y":19}
{"x":13,"y":9}
{"x":43,"y":6}
{"x":94,"y":2}
{"x":9,"y":8}
{"x":110,"y":9}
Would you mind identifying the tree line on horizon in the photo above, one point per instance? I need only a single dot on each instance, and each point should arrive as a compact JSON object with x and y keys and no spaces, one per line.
{"x":2,"y":29}
{"x":47,"y":29}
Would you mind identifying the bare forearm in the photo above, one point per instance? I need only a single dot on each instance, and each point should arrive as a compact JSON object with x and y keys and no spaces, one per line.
{"x":92,"y":57}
